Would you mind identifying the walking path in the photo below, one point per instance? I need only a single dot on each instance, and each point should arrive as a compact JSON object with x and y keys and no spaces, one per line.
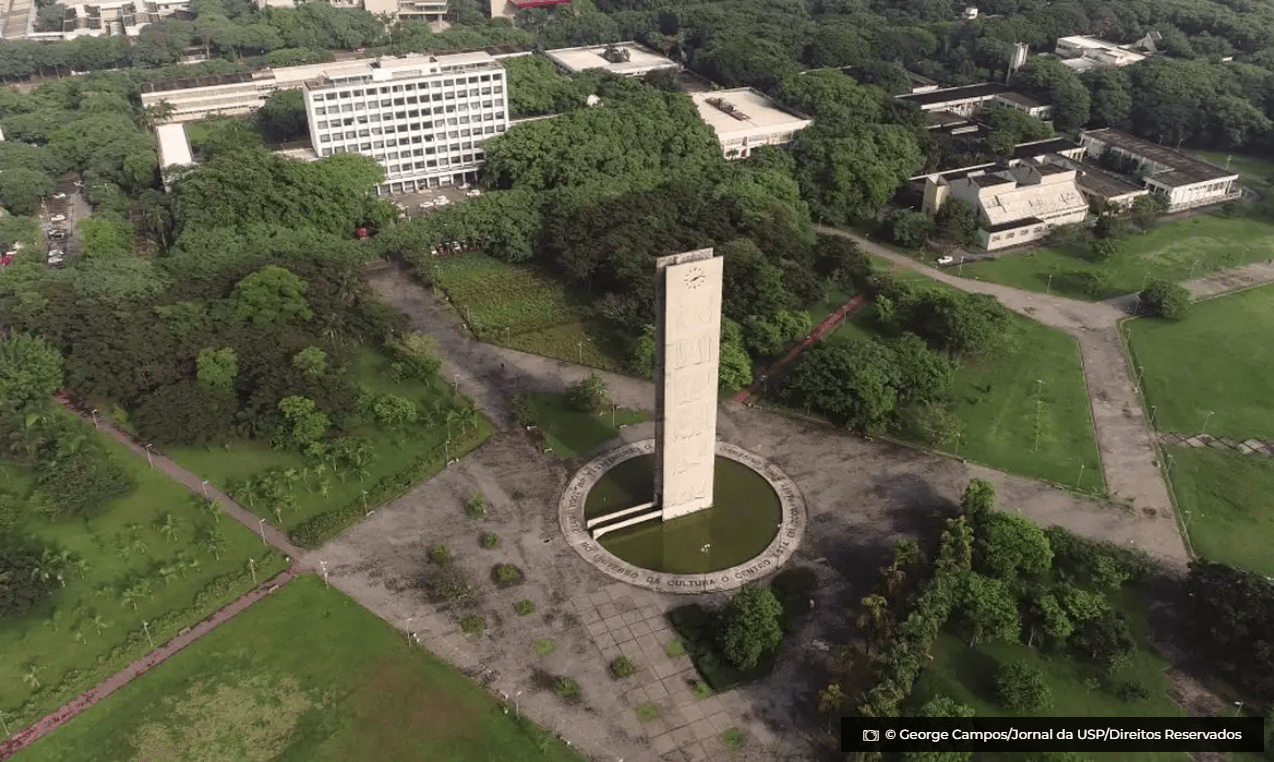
{"x":1262,"y":447}
{"x":829,"y":324}
{"x":1125,"y":439}
{"x":196,"y":485}
{"x":24,"y":738}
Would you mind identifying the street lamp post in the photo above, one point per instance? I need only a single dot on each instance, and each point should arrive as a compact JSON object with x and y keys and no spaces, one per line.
{"x":252,"y":568}
{"x":146,"y":629}
{"x":1204,"y":430}
{"x":1048,"y":289}
{"x":1081,"y":475}
{"x":364,"y":501}
{"x":150,"y":460}
{"x":4,"y":725}
{"x":204,"y":487}
{"x":261,"y":527}
{"x":93,"y":413}
{"x":517,"y":712}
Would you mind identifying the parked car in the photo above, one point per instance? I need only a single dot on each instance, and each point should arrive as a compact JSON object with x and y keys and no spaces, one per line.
{"x":474,"y":193}
{"x":58,"y":218}
{"x":946,"y":259}
{"x":58,"y":234}
{"x":59,"y":195}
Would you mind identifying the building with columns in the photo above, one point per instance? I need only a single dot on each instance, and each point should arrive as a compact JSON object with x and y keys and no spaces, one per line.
{"x":1187,"y":181}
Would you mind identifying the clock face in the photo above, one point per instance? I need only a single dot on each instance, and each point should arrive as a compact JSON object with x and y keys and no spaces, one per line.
{"x":695,"y":278}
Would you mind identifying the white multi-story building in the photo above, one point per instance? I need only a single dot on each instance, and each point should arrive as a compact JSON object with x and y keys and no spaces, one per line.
{"x":1083,"y":53}
{"x":423,"y":118}
{"x":626,"y":59}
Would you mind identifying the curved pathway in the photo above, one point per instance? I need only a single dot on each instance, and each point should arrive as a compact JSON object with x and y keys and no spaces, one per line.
{"x":24,"y":738}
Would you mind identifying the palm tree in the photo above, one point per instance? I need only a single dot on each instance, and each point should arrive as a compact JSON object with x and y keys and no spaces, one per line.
{"x":893,"y":577}
{"x":32,"y":677}
{"x":47,"y":567}
{"x":135,"y":593}
{"x":470,"y":417}
{"x":79,"y":637}
{"x":875,"y":619}
{"x":289,"y":477}
{"x":185,"y":563}
{"x":166,"y":573}
{"x":325,"y":487}
{"x":100,"y":623}
{"x":168,"y":527}
{"x":215,"y":542}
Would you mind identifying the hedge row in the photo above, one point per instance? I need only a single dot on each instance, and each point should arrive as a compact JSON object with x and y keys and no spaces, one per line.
{"x":903,"y":659}
{"x":325,"y":526}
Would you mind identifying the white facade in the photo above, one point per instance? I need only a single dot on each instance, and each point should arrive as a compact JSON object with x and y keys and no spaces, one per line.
{"x":111,"y":17}
{"x":745,"y":119}
{"x":1083,"y":53}
{"x":627,"y":59}
{"x":1015,"y":205}
{"x":424,"y":119}
{"x":1186,"y":181}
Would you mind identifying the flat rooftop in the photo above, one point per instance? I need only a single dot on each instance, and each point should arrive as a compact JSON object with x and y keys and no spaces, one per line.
{"x":1185,"y":169}
{"x":745,"y":110}
{"x":1025,"y":101}
{"x":950,"y":94}
{"x":1084,"y":41}
{"x":174,"y":147}
{"x":640,"y":59}
{"x":1043,"y":147}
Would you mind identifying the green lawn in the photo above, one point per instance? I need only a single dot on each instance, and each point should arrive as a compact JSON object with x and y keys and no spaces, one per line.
{"x":523,"y":308}
{"x":1253,"y":171}
{"x":120,"y":547}
{"x":1174,"y":251}
{"x":1223,"y":499}
{"x":1216,"y":359}
{"x":966,"y":673}
{"x":995,"y":398}
{"x":571,"y":433}
{"x":396,"y":452}
{"x":306,"y":675}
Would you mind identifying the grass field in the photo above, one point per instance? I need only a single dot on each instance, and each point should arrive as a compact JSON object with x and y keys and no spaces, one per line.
{"x":1174,"y":251}
{"x":395,"y":451}
{"x":89,"y":630}
{"x":1223,"y":499}
{"x":965,"y":673}
{"x":1216,"y":359}
{"x":571,"y":433}
{"x":995,"y":399}
{"x":306,"y":675}
{"x":522,"y":308}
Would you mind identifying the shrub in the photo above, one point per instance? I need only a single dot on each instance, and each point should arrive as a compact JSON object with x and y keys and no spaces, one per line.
{"x":622,"y":667}
{"x":1165,"y":299}
{"x":475,"y":506}
{"x":589,"y":395}
{"x":794,"y":588}
{"x":1106,"y":639}
{"x":1132,"y":691}
{"x":473,"y":625}
{"x":648,"y":712}
{"x":440,"y":555}
{"x":734,"y":738}
{"x":1021,"y":687}
{"x":675,"y":649}
{"x":544,"y":646}
{"x":451,"y":585}
{"x":489,"y":540}
{"x":524,"y":607}
{"x":505,"y":575}
{"x":701,"y":690}
{"x":751,"y":626}
{"x":567,"y":689}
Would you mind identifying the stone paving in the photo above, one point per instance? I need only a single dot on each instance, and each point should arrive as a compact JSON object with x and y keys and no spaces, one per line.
{"x":1246,"y":447}
{"x":624,"y":621}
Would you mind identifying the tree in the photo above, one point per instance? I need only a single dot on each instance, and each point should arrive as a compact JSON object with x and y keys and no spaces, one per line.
{"x":1049,"y":616}
{"x":1106,"y":639}
{"x":282,"y":116}
{"x":1053,"y":82}
{"x":847,"y":177}
{"x":957,"y":221}
{"x":910,"y":229}
{"x":751,"y":626}
{"x":307,"y":424}
{"x":1232,"y":625}
{"x":1011,"y":546}
{"x":941,"y":706}
{"x":311,"y":362}
{"x":270,"y":296}
{"x":990,"y":609}
{"x":589,"y":395}
{"x":957,"y":322}
{"x":830,"y":700}
{"x":1010,"y":127}
{"x":1081,"y":605}
{"x":30,"y":372}
{"x":394,"y":411}
{"x":841,"y":260}
{"x":854,"y":383}
{"x":1165,"y":299}
{"x":734,"y":366}
{"x":28,"y":572}
{"x":1146,"y":210}
{"x":1021,"y":687}
{"x":1111,"y":92}
{"x":22,"y":190}
{"x":923,"y":374}
{"x":217,"y":368}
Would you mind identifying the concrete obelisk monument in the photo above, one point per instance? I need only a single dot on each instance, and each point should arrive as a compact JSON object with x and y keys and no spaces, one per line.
{"x":687,"y":344}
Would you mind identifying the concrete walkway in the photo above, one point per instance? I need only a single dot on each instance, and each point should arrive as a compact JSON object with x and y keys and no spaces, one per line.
{"x":24,"y":738}
{"x":198,"y":486}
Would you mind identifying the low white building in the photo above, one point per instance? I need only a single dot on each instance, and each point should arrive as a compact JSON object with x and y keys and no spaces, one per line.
{"x":1015,"y":204}
{"x":174,"y":150}
{"x":1186,"y":181}
{"x":507,"y":9}
{"x":745,"y":119}
{"x":965,"y":101}
{"x":627,"y":59}
{"x":1026,"y":104}
{"x":1083,"y":53}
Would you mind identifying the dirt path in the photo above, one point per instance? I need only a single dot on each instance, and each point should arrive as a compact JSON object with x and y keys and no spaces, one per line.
{"x":198,"y":486}
{"x":829,"y":324}
{"x":24,"y":738}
